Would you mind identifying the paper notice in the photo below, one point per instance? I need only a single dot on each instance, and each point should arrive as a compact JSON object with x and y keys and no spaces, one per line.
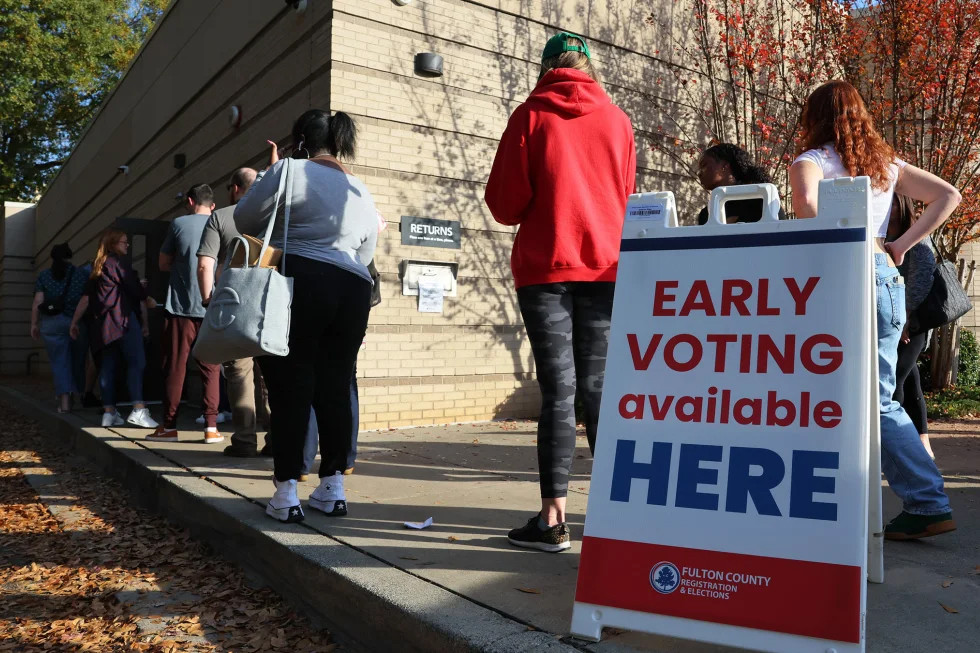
{"x":430,"y":296}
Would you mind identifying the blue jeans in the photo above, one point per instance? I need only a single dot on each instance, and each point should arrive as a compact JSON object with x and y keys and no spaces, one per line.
{"x":911,"y":474}
{"x":57,"y":341}
{"x":312,"y":442}
{"x":130,"y":348}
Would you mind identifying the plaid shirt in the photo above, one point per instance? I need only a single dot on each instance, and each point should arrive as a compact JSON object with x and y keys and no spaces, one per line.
{"x":113,"y":298}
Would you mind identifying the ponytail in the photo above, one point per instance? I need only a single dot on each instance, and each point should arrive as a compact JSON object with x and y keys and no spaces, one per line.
{"x":342,"y":136}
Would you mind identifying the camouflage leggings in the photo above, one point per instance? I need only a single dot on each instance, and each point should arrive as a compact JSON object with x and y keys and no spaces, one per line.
{"x":568,"y":326}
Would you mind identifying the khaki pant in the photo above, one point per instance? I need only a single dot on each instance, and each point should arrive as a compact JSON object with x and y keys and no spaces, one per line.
{"x":249,"y":401}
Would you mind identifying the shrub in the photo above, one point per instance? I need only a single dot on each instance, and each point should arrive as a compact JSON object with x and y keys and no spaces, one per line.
{"x":954,"y":403}
{"x":969,"y":370}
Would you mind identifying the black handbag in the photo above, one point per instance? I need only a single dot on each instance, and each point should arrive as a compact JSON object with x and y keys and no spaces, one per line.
{"x":945,"y":303}
{"x":56,"y":306}
{"x":376,"y":290}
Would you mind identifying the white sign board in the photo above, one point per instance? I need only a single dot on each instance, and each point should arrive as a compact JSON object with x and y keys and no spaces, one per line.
{"x":729,"y":497}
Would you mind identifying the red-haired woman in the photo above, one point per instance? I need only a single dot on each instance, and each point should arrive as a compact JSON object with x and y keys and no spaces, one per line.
{"x":840,"y":140}
{"x":115,"y":294}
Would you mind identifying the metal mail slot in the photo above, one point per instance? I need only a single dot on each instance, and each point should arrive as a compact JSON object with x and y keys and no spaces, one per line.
{"x":444,"y":271}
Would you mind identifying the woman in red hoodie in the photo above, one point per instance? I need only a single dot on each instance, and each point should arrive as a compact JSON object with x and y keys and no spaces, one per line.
{"x":564,"y":168}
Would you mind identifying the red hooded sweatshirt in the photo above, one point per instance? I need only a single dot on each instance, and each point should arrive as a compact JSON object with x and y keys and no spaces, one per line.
{"x":564,"y":168}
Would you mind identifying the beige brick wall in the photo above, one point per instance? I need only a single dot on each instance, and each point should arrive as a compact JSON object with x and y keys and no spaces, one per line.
{"x":425,"y":149}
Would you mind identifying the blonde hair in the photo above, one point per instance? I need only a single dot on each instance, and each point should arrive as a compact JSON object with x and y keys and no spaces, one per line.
{"x":107,"y":246}
{"x":571,"y":59}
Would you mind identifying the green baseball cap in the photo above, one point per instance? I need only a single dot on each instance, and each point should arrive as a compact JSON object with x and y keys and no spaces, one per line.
{"x":559,"y":43}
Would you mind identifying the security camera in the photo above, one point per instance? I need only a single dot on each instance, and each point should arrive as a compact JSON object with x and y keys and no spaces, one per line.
{"x":123,"y":169}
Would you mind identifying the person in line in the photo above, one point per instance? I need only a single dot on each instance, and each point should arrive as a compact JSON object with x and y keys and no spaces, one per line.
{"x":57,"y":292}
{"x":917,"y":270}
{"x":726,"y":164}
{"x":113,"y":295}
{"x":249,"y":403}
{"x":185,"y":314}
{"x":564,"y":168}
{"x":840,"y":140}
{"x":333,"y":231}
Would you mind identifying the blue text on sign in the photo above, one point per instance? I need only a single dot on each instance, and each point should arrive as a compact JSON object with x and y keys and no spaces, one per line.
{"x":744,"y":479}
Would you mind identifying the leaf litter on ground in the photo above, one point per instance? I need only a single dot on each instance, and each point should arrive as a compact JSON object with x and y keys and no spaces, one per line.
{"x":118,"y":578}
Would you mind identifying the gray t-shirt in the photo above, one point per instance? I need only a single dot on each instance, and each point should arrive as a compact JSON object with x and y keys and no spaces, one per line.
{"x":182,"y":241}
{"x":219,"y":235}
{"x":332,"y":215}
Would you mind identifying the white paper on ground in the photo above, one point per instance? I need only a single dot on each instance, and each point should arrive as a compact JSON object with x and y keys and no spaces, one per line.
{"x":419,"y":525}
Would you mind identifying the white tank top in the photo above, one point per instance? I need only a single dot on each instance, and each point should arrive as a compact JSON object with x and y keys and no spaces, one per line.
{"x":827,"y":159}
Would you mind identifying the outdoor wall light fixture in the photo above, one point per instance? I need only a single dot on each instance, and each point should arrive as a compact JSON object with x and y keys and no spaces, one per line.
{"x":180,"y":160}
{"x":235,"y":116}
{"x":298,"y":6}
{"x":402,"y":3}
{"x":428,"y":64}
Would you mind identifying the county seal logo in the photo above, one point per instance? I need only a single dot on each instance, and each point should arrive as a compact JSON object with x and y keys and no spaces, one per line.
{"x":664,"y":577}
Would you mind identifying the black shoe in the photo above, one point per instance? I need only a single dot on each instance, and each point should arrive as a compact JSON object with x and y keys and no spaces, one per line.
{"x":266,"y":451}
{"x":552,"y":540}
{"x":240,"y":452}
{"x":89,"y":400}
{"x":913,"y":527}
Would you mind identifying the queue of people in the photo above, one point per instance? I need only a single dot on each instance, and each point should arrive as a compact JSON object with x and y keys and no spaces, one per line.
{"x":562,"y":174}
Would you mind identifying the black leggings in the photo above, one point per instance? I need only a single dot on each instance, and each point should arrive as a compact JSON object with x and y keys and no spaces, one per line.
{"x":568,"y":326}
{"x":908,"y":385}
{"x":327,"y":324}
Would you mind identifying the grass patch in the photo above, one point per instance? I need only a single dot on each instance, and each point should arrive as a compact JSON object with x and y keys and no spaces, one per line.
{"x":954,"y":403}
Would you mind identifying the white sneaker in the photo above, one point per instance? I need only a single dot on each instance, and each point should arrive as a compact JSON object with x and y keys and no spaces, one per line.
{"x":112,"y":419}
{"x":220,"y":418}
{"x":211,"y":436}
{"x":284,"y":504}
{"x":329,"y":497}
{"x":141,"y":417}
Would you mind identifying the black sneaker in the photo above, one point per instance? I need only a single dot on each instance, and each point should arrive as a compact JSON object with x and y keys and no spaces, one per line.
{"x":913,"y":527}
{"x":553,"y":540}
{"x":240,"y":452}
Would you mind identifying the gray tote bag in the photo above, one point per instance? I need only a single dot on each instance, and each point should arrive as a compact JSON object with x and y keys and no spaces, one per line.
{"x":250,"y":309}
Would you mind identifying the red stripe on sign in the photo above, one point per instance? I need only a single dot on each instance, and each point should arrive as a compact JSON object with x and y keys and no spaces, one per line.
{"x":814,"y":599}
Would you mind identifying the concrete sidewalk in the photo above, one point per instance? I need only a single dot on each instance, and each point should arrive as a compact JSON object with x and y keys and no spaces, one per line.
{"x":458,"y":585}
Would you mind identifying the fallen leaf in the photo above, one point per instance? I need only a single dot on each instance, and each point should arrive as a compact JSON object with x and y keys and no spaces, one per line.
{"x":453,"y":538}
{"x":949,"y":609}
{"x":528,"y":590}
{"x":947,"y":583}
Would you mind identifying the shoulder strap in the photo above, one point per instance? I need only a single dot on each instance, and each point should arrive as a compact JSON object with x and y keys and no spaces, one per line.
{"x":275,"y":209}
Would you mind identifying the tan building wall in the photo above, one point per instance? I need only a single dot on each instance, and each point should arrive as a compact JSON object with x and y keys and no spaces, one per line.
{"x":425,"y":149}
{"x":16,"y":288}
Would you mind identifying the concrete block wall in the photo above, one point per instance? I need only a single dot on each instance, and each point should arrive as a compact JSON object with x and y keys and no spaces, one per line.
{"x":17,"y":289}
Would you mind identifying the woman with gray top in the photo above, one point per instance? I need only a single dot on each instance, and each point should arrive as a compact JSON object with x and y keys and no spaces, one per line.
{"x":917,"y":269}
{"x":331,"y":237}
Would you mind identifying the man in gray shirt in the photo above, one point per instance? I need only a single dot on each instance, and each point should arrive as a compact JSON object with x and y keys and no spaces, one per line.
{"x":246,"y":393}
{"x":184,"y":316}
